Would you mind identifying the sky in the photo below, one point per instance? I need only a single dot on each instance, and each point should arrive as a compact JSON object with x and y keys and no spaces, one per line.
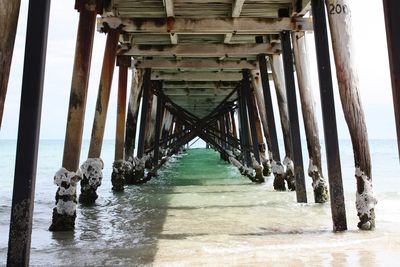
{"x":369,"y":45}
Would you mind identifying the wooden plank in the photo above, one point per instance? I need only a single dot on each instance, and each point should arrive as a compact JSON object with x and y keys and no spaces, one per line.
{"x":207,"y":25}
{"x":196,"y":76}
{"x":200,"y":85}
{"x":203,"y":50}
{"x":196,"y":64}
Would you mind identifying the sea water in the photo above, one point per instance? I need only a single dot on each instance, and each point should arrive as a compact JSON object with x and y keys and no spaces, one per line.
{"x":200,"y":211}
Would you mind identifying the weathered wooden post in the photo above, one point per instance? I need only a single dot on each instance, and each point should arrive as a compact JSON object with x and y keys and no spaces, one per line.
{"x":263,"y":161}
{"x":228,"y":129}
{"x":19,"y":242}
{"x":133,"y":111}
{"x":347,"y":76}
{"x":92,"y":168}
{"x":157,"y":131}
{"x":251,"y":108}
{"x":262,"y":127}
{"x":309,"y":117}
{"x":9,"y":13}
{"x":293,"y":117}
{"x":64,"y":213}
{"x":222,"y":135}
{"x":119,"y":165}
{"x":150,"y":123}
{"x":243,"y":122}
{"x":131,"y":123}
{"x":279,"y":82}
{"x":391,"y":9}
{"x":329,"y":118}
{"x":140,"y":160}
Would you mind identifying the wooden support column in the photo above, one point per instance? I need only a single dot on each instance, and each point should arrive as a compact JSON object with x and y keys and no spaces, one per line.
{"x":391,"y":10}
{"x":19,"y":242}
{"x":261,"y":144}
{"x":309,"y":117}
{"x":301,"y":193}
{"x":233,"y":123}
{"x":150,"y":123}
{"x":269,"y":120}
{"x":92,"y":167}
{"x":279,"y":82}
{"x":222,"y":134}
{"x":251,"y":108}
{"x":117,"y":176}
{"x":133,"y":111}
{"x":347,"y":76}
{"x":64,"y":217}
{"x":9,"y":13}
{"x":329,"y":118}
{"x":157,"y":130}
{"x":144,"y":112}
{"x":244,"y":125}
{"x":228,"y":127}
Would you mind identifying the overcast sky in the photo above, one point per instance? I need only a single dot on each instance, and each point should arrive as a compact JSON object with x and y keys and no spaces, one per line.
{"x":370,"y":47}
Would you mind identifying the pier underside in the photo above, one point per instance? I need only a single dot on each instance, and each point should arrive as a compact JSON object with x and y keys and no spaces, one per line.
{"x":198,"y":69}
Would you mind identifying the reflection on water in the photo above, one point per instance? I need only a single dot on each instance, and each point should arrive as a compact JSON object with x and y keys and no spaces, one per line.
{"x":200,"y":211}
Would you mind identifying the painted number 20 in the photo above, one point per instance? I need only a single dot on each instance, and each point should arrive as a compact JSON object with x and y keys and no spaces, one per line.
{"x":337,"y":9}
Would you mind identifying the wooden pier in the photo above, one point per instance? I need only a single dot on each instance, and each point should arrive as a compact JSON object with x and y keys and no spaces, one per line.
{"x":203,"y":70}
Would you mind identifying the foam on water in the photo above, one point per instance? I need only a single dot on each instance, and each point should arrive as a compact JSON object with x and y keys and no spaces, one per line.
{"x":201,"y":211}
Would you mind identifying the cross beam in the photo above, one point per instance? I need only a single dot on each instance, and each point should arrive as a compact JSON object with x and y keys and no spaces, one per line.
{"x":256,"y":26}
{"x":202,"y":50}
{"x":196,"y":64}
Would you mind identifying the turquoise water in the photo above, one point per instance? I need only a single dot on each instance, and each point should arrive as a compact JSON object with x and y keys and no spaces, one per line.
{"x":201,"y":211}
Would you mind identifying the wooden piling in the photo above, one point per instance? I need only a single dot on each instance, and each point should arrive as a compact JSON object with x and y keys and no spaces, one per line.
{"x":309,"y":117}
{"x":9,"y":13}
{"x":391,"y":10}
{"x":252,"y":118}
{"x":279,"y":82}
{"x":244,"y":122}
{"x":150,"y":121}
{"x":133,"y":111}
{"x":79,"y":88}
{"x":103,"y":96}
{"x":301,"y":192}
{"x":157,"y":130}
{"x":64,"y":219}
{"x":329,"y":118}
{"x":145,"y":99}
{"x":260,"y":115}
{"x":92,"y":168}
{"x":347,"y":76}
{"x":19,"y":242}
{"x":117,"y":176}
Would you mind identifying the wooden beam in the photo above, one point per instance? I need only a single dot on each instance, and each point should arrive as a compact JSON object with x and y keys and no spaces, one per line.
{"x":197,"y":92}
{"x":196,"y":76}
{"x":196,"y":64}
{"x":202,"y":50}
{"x":199,"y":85}
{"x":257,"y":26}
{"x":237,"y":8}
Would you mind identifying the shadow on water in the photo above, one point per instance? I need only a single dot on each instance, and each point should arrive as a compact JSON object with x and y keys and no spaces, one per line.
{"x":126,"y":228}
